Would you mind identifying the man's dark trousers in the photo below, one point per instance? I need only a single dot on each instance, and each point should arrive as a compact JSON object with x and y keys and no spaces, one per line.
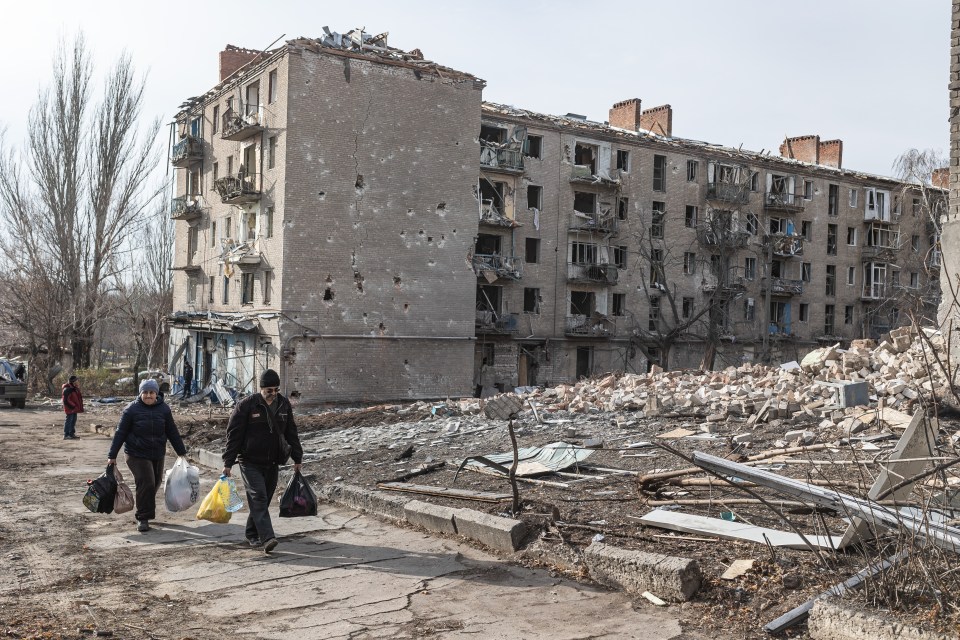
{"x":261,"y":483}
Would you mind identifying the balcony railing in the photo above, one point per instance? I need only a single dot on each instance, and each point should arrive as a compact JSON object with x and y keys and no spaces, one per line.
{"x":779,"y":329}
{"x":715,"y":235}
{"x":786,"y":202}
{"x":873,"y":291}
{"x":592,"y":273}
{"x":185,"y":207}
{"x":237,"y":126}
{"x":602,"y":222}
{"x":584,"y":326}
{"x":734,"y":281}
{"x":874,"y":252}
{"x":490,"y":215}
{"x":503,"y":266}
{"x":490,"y":322}
{"x":507,"y":159}
{"x":782,"y":286}
{"x":787,"y":246}
{"x":728,"y":192}
{"x":586,"y":174}
{"x":187,"y":151}
{"x":243,"y":187}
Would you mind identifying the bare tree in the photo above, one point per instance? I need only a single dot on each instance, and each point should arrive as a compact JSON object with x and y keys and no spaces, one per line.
{"x":77,"y":192}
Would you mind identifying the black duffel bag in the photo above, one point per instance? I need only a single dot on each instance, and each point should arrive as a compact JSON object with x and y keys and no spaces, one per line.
{"x":298,"y":499}
{"x":101,"y":492}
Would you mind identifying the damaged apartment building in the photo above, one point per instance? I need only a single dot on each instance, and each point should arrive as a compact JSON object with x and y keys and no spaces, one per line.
{"x":356,"y":217}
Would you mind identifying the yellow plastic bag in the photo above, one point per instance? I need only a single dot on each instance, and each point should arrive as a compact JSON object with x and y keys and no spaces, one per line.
{"x":214,"y":506}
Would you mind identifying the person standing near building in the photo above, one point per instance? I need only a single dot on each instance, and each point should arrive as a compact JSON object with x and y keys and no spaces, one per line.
{"x":145,"y":427}
{"x":262,"y":435}
{"x":72,"y":406}
{"x":187,"y":378}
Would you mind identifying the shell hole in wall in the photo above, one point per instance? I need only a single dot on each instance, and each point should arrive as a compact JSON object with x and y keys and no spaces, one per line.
{"x":328,"y":294}
{"x":406,"y":307}
{"x":397,"y":281}
{"x":442,"y":206}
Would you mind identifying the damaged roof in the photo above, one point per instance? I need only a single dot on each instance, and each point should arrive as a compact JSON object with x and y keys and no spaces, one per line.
{"x":354,"y":44}
{"x":573,"y":123}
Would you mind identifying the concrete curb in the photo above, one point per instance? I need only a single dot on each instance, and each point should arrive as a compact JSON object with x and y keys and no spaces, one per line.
{"x":378,"y":503}
{"x":502,"y":534}
{"x":667,"y":577}
{"x":833,"y":619}
{"x":432,"y":517}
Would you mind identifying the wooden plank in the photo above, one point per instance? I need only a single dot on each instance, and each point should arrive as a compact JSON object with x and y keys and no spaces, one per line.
{"x":445,"y":492}
{"x":916,"y":442}
{"x":726,"y":530}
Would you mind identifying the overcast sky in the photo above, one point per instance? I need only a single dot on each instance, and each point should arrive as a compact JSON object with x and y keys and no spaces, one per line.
{"x":873,"y":73}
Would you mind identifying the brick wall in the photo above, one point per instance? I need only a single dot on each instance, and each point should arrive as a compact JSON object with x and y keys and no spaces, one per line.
{"x":803,"y":148}
{"x":626,"y":114}
{"x":658,"y":120}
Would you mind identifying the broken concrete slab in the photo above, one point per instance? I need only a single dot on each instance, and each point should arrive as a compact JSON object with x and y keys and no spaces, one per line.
{"x":835,"y":619}
{"x":671,"y":578}
{"x":378,"y":503}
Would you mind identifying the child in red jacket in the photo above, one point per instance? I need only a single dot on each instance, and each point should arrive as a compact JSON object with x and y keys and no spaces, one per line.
{"x":72,"y":405}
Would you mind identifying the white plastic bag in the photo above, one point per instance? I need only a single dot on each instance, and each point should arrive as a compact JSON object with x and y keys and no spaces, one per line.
{"x":181,"y":486}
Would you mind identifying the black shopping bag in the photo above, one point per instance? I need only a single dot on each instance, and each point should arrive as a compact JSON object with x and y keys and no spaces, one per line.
{"x":298,"y":499}
{"x":101,"y":492}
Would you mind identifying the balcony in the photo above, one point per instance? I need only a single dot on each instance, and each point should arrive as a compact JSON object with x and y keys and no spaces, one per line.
{"x":885,"y":254}
{"x":873,"y":292}
{"x":731,"y":284}
{"x":728,"y":192}
{"x":490,"y":322}
{"x":490,"y":216}
{"x":933,"y":260}
{"x":602,"y":222}
{"x":237,"y":126}
{"x":585,"y":174}
{"x":186,"y":152}
{"x":785,"y":246}
{"x":592,"y":273}
{"x":501,"y":159}
{"x":592,"y":326}
{"x":238,"y":189}
{"x":715,"y":235}
{"x":782,"y":286}
{"x":779,"y":330}
{"x":185,"y":208}
{"x":785,"y":202}
{"x":510,"y":267}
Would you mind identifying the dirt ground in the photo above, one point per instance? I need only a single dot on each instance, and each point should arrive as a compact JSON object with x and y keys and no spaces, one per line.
{"x":601,"y":498}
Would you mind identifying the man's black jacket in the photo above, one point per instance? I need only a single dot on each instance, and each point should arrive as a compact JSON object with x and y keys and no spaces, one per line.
{"x":251,"y":439}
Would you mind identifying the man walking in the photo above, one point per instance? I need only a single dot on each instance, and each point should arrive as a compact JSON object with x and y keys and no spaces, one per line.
{"x":72,"y":405}
{"x":187,"y":378}
{"x":262,"y":435}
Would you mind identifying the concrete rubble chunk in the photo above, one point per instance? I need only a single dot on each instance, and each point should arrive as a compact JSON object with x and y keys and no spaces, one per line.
{"x":835,"y":619}
{"x":672,"y":579}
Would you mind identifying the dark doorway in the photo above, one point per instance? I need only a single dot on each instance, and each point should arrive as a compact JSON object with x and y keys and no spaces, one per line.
{"x":584,"y":362}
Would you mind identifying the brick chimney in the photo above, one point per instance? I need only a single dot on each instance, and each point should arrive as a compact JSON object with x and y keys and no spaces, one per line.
{"x":940,"y":178}
{"x":232,"y":58}
{"x":658,"y":120}
{"x":802,"y":148}
{"x":626,"y":114}
{"x":831,"y":153}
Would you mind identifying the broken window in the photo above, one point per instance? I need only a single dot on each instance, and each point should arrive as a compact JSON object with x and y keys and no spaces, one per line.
{"x":808,"y":189}
{"x":874,"y":279}
{"x":657,"y":278}
{"x":487,"y":245}
{"x":833,"y":200}
{"x":831,"y":280}
{"x":267,"y":286}
{"x":806,"y":230}
{"x":690,"y":216}
{"x":193,"y":182}
{"x":780,"y":316}
{"x":753,"y":224}
{"x":582,"y":303}
{"x":851,"y":275}
{"x":533,"y":146}
{"x":490,"y":133}
{"x":272,"y":152}
{"x":659,"y":173}
{"x":653,"y":316}
{"x":532,"y":250}
{"x":777,"y":268}
{"x":489,"y":298}
{"x":492,"y":197}
{"x":585,"y":155}
{"x":213,"y":234}
{"x":246,"y":288}
{"x":216,"y":120}
{"x":915,"y":243}
{"x":749,"y":309}
{"x":750,"y":268}
{"x":693,"y":168}
{"x":853,"y":197}
{"x":623,"y":160}
{"x":689,"y":262}
{"x":210,"y":283}
{"x":852,"y":236}
{"x":619,"y":304}
{"x":583,"y":253}
{"x":531,"y":300}
{"x":534,"y":197}
{"x":804,"y":315}
{"x":623,"y":205}
{"x":193,"y":234}
{"x":620,"y":256}
{"x":828,"y":313}
{"x":848,"y":314}
{"x":914,"y":280}
{"x":584,"y":202}
{"x":778,"y":225}
{"x":658,"y":213}
{"x":806,"y":270}
{"x":268,"y":222}
{"x":686,"y":309}
{"x":252,"y":106}
{"x":755,"y":181}
{"x":272,"y":87}
{"x":831,"y":239}
{"x":226,"y":290}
